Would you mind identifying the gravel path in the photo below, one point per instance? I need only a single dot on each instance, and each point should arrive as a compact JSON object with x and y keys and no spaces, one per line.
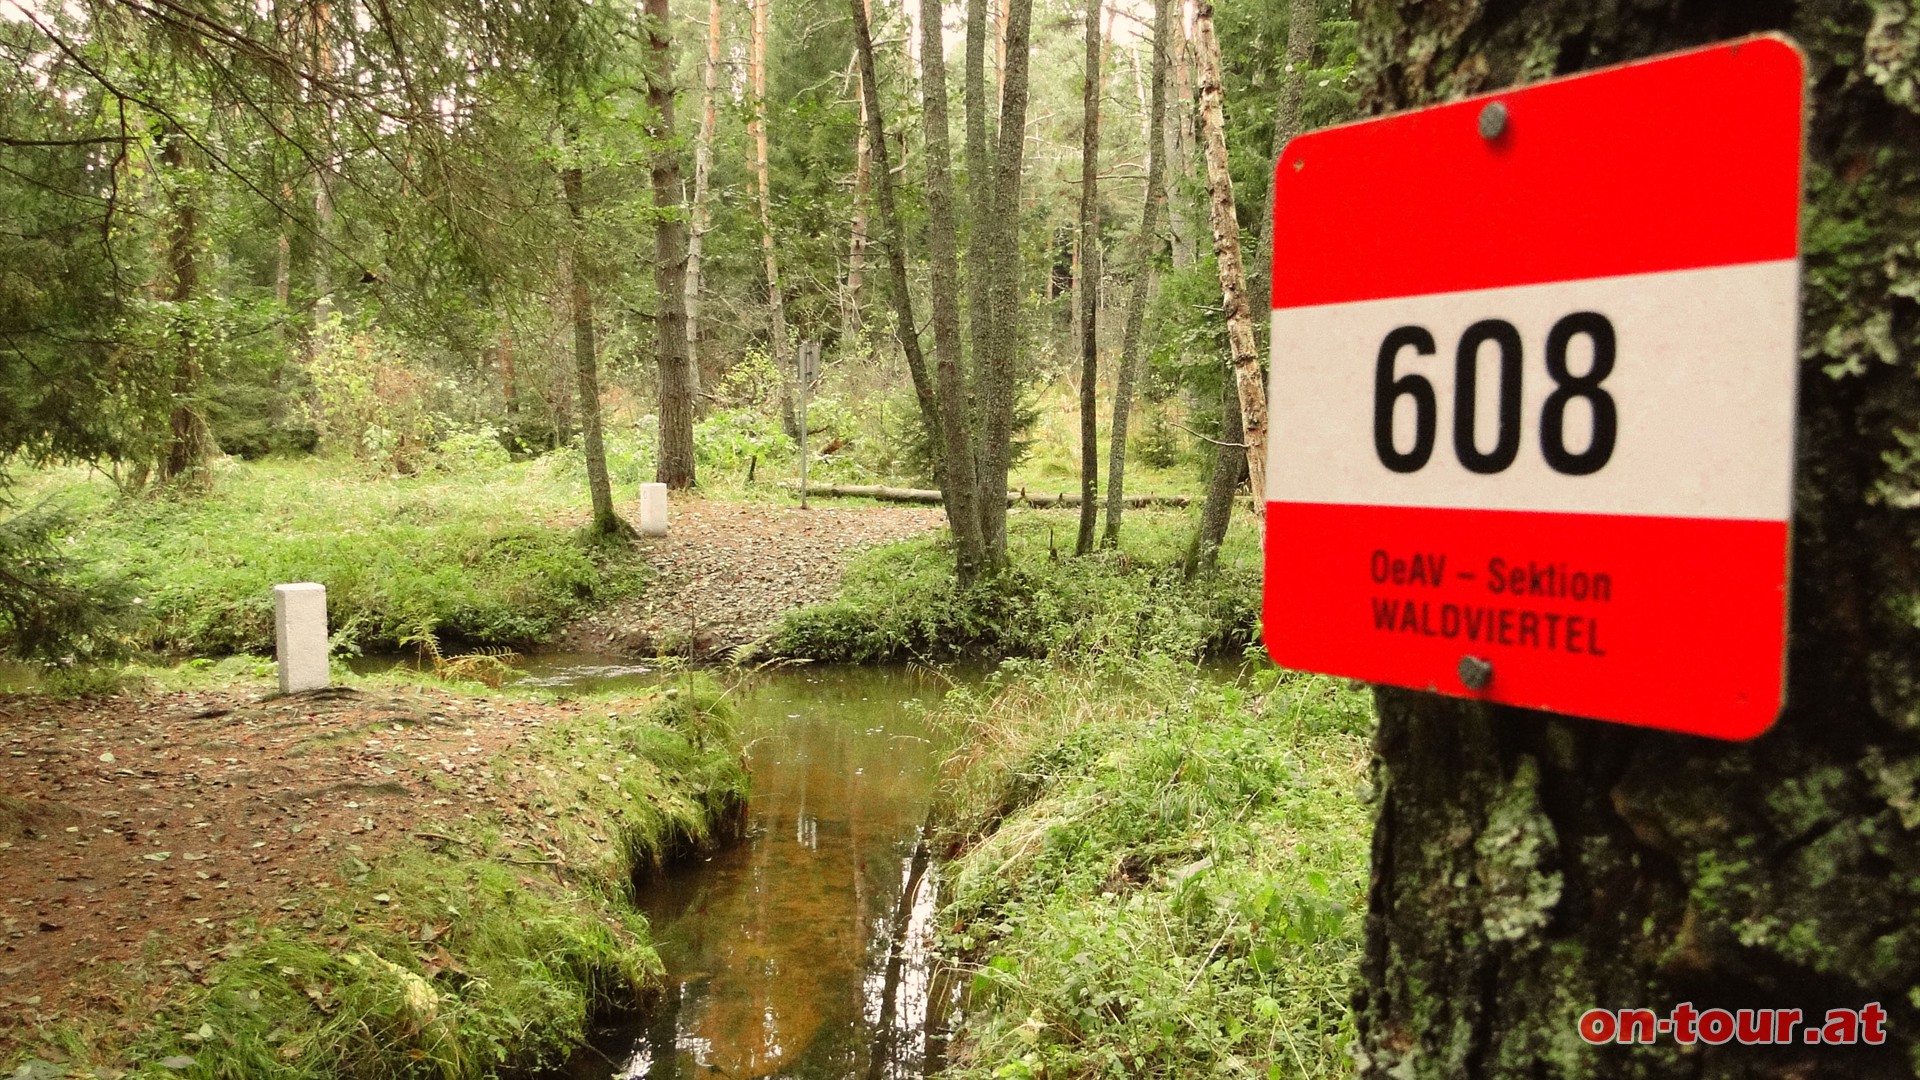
{"x":728,"y":571}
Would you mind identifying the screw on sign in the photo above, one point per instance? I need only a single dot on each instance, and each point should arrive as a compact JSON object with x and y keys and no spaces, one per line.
{"x":1533,"y":386}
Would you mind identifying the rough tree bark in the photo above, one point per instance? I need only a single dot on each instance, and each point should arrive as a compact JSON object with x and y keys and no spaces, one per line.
{"x":675,"y":467}
{"x":850,"y":319}
{"x":189,"y":444}
{"x":1527,"y":867}
{"x":1145,"y":245}
{"x":586,"y":370}
{"x":961,"y":485}
{"x":1088,"y":286}
{"x":979,"y":209}
{"x":891,"y":237}
{"x":702,"y":213}
{"x":1000,"y":366}
{"x":1226,"y":250}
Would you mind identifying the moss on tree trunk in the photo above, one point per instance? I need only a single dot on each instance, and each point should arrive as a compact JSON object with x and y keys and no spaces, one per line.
{"x":1528,"y":867}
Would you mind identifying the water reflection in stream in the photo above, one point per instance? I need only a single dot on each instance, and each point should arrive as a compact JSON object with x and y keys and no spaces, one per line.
{"x":802,"y":951}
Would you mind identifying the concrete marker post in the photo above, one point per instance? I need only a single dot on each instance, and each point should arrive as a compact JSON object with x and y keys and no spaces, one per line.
{"x":653,"y":509}
{"x":300,"y":636}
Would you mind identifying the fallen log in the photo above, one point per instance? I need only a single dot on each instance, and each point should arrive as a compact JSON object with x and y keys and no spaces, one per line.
{"x":1022,"y":497}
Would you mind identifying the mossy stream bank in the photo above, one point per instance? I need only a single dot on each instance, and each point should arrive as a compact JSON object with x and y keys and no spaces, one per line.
{"x":452,"y":883}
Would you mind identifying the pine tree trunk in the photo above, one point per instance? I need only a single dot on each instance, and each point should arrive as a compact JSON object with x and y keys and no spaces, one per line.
{"x":1226,"y":250}
{"x":189,"y":444}
{"x":702,"y":213}
{"x":999,"y":376}
{"x":1145,"y":244}
{"x":1527,"y":867}
{"x":1229,"y":465}
{"x":586,"y":372}
{"x":675,"y":467}
{"x":757,"y":131}
{"x":961,"y":487}
{"x":1089,"y":286}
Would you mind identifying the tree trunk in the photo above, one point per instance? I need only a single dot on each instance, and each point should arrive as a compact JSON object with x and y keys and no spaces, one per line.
{"x":1303,"y":24}
{"x":1527,"y":867}
{"x":857,"y":239}
{"x":1146,"y":244}
{"x":890,"y":234}
{"x":757,"y":131}
{"x":1179,"y":139}
{"x":1089,"y":287}
{"x":1229,"y":465}
{"x":586,"y":370}
{"x":702,"y":213}
{"x":979,"y":211}
{"x":961,"y":485}
{"x":999,"y":377}
{"x":1226,"y":250}
{"x":509,"y":398}
{"x":189,"y":444}
{"x":675,"y":467}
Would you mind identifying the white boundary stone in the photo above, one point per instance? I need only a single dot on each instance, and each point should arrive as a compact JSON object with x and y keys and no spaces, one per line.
{"x":300,"y":635}
{"x":653,"y":509}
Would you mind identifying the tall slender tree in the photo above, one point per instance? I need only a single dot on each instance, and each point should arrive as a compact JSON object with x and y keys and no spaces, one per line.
{"x":1303,"y":26}
{"x":675,"y":466}
{"x":763,"y":187}
{"x":702,"y":169}
{"x":961,"y":486}
{"x":1226,"y":250}
{"x":1178,"y":137}
{"x":891,"y":236}
{"x":586,"y":357}
{"x":1089,"y":286}
{"x":1146,"y":245}
{"x":1000,"y":366}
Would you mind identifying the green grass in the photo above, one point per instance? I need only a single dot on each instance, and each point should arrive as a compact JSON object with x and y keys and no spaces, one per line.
{"x":488,"y":555}
{"x":471,"y":955}
{"x":900,"y":601}
{"x":1162,"y":879}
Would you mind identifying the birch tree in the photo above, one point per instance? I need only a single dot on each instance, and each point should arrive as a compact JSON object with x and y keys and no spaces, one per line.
{"x":1226,"y":250}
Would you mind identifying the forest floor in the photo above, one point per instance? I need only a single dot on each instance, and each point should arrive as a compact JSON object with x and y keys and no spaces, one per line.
{"x":727,"y":571}
{"x":140,"y":834}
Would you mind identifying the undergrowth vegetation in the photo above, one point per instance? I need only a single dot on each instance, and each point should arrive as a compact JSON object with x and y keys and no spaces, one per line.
{"x":466,"y":952}
{"x":1161,"y":876}
{"x":488,"y":554}
{"x":900,"y":602}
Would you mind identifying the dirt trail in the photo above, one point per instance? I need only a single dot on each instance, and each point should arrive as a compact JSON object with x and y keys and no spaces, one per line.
{"x":728,"y":571}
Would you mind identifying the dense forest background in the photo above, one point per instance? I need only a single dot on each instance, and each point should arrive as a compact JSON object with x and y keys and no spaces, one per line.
{"x":411,"y":234}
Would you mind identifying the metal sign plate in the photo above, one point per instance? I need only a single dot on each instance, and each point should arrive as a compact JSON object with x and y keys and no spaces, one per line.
{"x":1533,"y":393}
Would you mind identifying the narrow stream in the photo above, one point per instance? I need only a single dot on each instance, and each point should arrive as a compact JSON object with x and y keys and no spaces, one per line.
{"x":801,"y":951}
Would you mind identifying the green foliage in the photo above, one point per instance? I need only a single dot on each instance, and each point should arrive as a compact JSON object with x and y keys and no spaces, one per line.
{"x":1161,"y":877}
{"x":901,"y":601}
{"x":51,"y":607}
{"x":476,"y":557}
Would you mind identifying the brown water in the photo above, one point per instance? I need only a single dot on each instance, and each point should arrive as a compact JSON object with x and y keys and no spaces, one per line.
{"x":801,"y":952}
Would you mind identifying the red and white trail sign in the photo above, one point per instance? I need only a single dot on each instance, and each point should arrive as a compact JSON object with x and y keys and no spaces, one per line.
{"x":1533,"y":393}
